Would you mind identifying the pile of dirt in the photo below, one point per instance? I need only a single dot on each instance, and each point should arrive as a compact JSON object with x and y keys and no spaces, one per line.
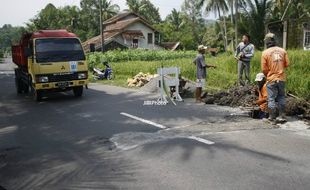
{"x":245,"y":97}
{"x":237,"y":96}
{"x":140,"y":79}
{"x":298,"y":107}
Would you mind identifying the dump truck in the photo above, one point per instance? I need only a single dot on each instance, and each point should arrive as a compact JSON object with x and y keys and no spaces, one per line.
{"x":49,"y":60}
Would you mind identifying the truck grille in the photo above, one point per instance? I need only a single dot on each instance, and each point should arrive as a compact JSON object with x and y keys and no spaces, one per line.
{"x":61,"y":77}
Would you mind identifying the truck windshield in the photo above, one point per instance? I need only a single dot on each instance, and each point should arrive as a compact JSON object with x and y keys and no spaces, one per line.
{"x":58,"y":50}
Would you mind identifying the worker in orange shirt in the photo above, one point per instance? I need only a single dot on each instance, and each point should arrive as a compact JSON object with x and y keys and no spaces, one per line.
{"x":274,"y":62}
{"x":262,"y":95}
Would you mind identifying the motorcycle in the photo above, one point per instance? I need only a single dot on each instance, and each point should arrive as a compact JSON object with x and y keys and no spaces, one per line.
{"x":101,"y":74}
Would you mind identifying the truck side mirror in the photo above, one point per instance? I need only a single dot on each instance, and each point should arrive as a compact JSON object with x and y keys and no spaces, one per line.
{"x":27,"y":52}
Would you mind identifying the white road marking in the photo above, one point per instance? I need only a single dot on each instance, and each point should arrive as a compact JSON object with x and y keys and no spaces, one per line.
{"x":205,"y":141}
{"x":143,"y":120}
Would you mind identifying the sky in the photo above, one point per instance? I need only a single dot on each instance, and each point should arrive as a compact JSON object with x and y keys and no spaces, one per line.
{"x":18,"y":12}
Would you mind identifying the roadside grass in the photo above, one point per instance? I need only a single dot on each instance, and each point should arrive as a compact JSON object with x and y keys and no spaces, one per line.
{"x":224,"y":76}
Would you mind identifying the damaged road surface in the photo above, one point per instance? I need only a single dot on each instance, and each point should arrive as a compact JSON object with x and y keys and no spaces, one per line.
{"x":108,"y":140}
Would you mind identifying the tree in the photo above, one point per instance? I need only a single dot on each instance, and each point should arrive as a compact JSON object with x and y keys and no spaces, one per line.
{"x":218,"y":7}
{"x":290,"y":9}
{"x":176,"y":19}
{"x":135,"y":6}
{"x":193,"y":17}
{"x":48,"y":18}
{"x":236,"y":4}
{"x":145,"y":9}
{"x":151,"y":13}
{"x":254,"y":18}
{"x":90,"y":14}
{"x":9,"y":35}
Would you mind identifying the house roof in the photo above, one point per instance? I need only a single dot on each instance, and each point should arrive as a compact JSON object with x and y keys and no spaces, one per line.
{"x":121,"y":25}
{"x":117,"y":17}
{"x":170,"y":45}
{"x":120,"y":16}
{"x":97,"y":39}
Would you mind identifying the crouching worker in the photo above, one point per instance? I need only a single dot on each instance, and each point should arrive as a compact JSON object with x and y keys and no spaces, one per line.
{"x":262,"y":96}
{"x":201,"y":72}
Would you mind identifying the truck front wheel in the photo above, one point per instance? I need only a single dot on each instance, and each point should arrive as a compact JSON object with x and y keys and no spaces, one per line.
{"x":78,"y":91}
{"x":37,"y":95}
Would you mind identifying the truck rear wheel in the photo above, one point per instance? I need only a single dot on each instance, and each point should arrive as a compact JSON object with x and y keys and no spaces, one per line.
{"x":25,"y":88}
{"x":18,"y":85}
{"x":78,"y":91}
{"x":18,"y":82}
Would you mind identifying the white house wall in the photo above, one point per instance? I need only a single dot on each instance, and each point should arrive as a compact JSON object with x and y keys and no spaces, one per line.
{"x":145,"y":30}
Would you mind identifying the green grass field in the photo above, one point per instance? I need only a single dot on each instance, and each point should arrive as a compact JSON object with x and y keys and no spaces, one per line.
{"x":224,"y":76}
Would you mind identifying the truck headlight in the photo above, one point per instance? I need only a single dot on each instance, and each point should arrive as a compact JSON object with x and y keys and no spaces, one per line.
{"x":42,"y":79}
{"x":82,"y":75}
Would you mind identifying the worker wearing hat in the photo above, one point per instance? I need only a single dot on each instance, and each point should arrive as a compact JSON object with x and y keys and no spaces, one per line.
{"x":201,"y":71}
{"x":262,"y":95}
{"x":244,"y":53}
{"x":274,"y":62}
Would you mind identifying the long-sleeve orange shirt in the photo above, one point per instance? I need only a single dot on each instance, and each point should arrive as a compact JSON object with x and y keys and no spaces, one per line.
{"x":262,"y":98}
{"x":274,"y":61}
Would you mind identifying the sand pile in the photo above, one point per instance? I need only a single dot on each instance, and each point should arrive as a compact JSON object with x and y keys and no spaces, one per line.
{"x":140,"y":79}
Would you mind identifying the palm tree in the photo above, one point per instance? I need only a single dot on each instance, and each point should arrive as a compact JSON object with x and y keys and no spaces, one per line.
{"x":136,"y":6}
{"x":290,"y":8}
{"x":109,"y":9}
{"x":237,"y":4}
{"x":175,"y":19}
{"x":256,"y":12}
{"x":219,"y":7}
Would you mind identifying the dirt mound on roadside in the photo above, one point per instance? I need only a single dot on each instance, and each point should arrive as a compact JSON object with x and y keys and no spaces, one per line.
{"x":237,"y":96}
{"x":245,"y":97}
{"x":297,"y":107}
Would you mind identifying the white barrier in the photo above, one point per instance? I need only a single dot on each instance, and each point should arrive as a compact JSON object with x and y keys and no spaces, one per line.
{"x":169,"y":82}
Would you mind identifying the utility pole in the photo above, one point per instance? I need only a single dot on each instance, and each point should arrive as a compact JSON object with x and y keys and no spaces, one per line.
{"x":101,"y":27}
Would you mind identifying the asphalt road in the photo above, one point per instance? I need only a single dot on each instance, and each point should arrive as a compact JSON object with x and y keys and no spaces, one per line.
{"x":109,"y":140}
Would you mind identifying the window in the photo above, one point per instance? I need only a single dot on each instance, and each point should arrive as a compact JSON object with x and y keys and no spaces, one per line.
{"x":157,"y":38}
{"x":150,"y":38}
{"x":58,"y":50}
{"x":307,"y":39}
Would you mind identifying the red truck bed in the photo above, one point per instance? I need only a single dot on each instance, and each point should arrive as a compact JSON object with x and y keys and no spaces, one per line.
{"x":18,"y":55}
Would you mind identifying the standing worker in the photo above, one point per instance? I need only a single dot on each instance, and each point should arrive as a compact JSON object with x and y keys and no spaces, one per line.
{"x":274,"y":61}
{"x":244,"y":53}
{"x":201,"y":71}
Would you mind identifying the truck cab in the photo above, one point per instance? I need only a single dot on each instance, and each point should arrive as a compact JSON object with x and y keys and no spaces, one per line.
{"x":50,"y":60}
